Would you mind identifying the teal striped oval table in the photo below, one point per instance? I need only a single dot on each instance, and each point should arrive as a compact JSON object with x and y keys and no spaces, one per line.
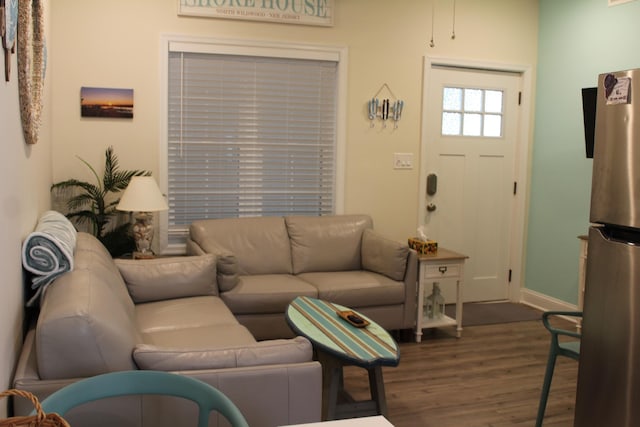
{"x":338,"y":343}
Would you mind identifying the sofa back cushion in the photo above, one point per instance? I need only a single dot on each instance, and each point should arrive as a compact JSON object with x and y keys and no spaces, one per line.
{"x":260,"y":245}
{"x":326,"y":243}
{"x":86,"y":324}
{"x":168,"y":278}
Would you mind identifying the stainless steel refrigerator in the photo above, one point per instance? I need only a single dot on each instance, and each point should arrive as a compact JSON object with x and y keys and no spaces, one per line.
{"x":608,"y":391}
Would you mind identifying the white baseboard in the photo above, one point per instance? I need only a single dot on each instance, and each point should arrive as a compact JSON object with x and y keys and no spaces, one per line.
{"x":544,"y":302}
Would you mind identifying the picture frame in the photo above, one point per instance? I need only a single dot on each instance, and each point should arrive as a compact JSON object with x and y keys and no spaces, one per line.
{"x":103,"y":102}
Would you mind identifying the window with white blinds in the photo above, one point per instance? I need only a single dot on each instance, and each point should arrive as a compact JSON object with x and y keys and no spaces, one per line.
{"x":249,"y":136}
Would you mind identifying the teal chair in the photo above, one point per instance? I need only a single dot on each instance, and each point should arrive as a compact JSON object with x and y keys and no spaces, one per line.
{"x":557,"y":348}
{"x":146,"y":382}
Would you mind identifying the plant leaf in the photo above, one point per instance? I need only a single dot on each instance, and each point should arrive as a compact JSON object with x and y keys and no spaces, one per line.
{"x":110,"y":167}
{"x":87,"y":202}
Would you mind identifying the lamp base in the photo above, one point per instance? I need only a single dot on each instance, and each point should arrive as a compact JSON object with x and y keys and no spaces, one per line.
{"x":143,"y":234}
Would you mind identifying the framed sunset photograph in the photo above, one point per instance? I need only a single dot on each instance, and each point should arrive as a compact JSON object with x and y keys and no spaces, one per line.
{"x":106,"y":102}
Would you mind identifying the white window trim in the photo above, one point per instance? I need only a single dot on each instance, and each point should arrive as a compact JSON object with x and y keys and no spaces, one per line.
{"x":251,"y":48}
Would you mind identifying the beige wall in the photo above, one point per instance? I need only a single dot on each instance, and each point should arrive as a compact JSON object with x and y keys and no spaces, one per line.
{"x":25,"y":178}
{"x":116,"y":44}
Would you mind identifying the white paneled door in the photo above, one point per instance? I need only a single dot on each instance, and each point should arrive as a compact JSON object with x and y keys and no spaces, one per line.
{"x":471,"y":132}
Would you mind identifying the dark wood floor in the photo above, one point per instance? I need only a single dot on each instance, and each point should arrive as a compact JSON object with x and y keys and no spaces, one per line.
{"x":492,"y":376}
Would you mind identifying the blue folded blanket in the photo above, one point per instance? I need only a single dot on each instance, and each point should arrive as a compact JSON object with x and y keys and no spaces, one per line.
{"x":48,"y":251}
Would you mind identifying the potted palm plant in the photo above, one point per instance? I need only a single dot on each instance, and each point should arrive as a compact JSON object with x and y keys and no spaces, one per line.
{"x":93,"y":205}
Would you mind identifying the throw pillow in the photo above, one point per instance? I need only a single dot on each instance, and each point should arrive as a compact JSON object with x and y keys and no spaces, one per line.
{"x":168,"y":278}
{"x":384,"y":256}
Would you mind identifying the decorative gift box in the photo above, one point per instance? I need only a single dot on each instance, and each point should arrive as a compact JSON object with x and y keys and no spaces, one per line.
{"x":423,"y":247}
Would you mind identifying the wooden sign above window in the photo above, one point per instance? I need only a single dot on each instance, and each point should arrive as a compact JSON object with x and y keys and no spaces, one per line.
{"x":305,"y":12}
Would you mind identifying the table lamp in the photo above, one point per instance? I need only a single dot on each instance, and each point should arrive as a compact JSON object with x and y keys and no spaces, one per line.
{"x":144,"y":197}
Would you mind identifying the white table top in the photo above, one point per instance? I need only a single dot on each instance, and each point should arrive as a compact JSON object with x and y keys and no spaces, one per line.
{"x":377,"y":421}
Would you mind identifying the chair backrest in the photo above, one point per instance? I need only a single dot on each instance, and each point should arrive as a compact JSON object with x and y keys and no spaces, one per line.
{"x":140,"y":382}
{"x":567,"y":348}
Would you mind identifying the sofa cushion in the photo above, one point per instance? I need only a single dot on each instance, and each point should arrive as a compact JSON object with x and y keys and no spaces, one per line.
{"x":357,"y":288}
{"x":195,"y":323}
{"x":269,"y":293}
{"x":169,"y":278}
{"x":91,"y":255}
{"x":384,"y":256}
{"x":203,"y":336}
{"x":326,"y":243}
{"x":260,"y":245}
{"x":271,"y":352}
{"x":86,"y":242}
{"x":182,"y":313}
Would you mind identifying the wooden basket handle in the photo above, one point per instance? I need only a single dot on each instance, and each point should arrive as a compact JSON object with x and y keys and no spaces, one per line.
{"x":40,"y":415}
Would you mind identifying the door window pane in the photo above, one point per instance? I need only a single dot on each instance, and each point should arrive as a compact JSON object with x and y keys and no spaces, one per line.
{"x":452,"y":98}
{"x":473,"y":100}
{"x":493,"y":101}
{"x":472,"y":125}
{"x":451,"y":123}
{"x":492,"y":125}
{"x":472,"y":112}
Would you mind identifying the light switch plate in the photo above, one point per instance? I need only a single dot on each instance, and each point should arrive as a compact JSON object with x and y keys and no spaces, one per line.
{"x":403,"y":160}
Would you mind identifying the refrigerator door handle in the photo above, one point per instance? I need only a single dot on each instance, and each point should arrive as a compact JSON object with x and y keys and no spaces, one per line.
{"x":619,"y":235}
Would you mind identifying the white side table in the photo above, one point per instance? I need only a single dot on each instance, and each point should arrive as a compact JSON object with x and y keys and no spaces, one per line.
{"x":445,"y":265}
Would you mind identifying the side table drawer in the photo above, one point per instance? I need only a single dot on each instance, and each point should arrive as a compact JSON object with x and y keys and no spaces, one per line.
{"x":437,"y":271}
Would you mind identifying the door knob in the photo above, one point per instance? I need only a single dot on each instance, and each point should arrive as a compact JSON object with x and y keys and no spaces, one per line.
{"x":431,"y":207}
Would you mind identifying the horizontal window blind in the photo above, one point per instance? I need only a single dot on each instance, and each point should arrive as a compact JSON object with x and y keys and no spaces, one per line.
{"x":249,"y":136}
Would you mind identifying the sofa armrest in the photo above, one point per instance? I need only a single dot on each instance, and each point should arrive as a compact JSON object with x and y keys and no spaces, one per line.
{"x":192,"y":248}
{"x":384,"y":256}
{"x":269,"y":352}
{"x":226,"y":266}
{"x":168,"y":278}
{"x":411,"y":289}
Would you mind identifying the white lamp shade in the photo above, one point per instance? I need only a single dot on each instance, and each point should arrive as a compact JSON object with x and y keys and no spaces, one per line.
{"x":142,"y":195}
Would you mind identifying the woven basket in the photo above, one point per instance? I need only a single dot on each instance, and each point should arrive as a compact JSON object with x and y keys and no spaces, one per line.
{"x":39,"y":420}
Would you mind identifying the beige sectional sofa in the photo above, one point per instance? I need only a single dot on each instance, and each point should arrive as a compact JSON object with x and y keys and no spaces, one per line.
{"x":264,"y":263}
{"x":164,"y":314}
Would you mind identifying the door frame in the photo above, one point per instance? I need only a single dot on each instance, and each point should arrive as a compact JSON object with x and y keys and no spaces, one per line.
{"x":524,"y":142}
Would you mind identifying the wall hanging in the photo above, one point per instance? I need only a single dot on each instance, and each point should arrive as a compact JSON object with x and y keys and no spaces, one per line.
{"x":385,"y":109}
{"x":8,"y":26}
{"x":31,"y":66}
